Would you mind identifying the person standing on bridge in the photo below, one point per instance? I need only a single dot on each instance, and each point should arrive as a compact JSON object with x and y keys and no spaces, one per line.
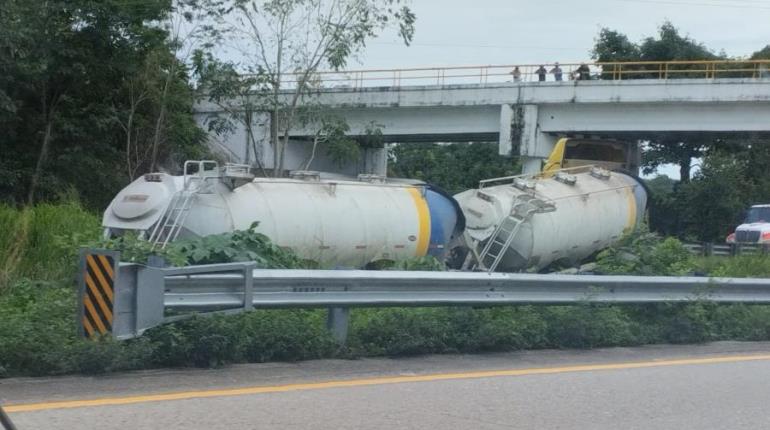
{"x":557,"y":73}
{"x":583,"y":73}
{"x":541,"y":72}
{"x":516,"y":74}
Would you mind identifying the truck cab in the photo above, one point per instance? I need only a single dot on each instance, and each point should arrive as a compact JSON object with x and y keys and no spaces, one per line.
{"x":755,"y":227}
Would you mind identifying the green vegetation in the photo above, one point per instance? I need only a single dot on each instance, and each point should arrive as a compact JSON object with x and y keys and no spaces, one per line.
{"x":92,"y":94}
{"x":245,"y":245}
{"x":39,"y":242}
{"x":706,"y":204}
{"x":712,"y":203}
{"x":38,"y":331}
{"x":644,"y":253}
{"x":453,"y":167}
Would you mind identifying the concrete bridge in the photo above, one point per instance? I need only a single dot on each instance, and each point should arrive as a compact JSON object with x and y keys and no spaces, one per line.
{"x":526,"y":118}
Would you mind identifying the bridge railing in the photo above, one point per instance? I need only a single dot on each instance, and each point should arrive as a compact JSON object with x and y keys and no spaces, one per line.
{"x":491,"y":74}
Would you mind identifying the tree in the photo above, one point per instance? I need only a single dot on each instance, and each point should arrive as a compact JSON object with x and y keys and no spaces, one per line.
{"x":69,"y":81}
{"x":283,"y":43}
{"x":673,"y":46}
{"x":613,"y":46}
{"x":233,"y":94}
{"x":664,"y":206}
{"x":672,"y":150}
{"x":762,"y":54}
{"x":454,"y":167}
{"x":670,"y":45}
{"x":713,"y":201}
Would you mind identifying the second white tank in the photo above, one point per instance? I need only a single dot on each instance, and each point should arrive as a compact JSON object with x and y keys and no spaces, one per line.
{"x":578,"y":214}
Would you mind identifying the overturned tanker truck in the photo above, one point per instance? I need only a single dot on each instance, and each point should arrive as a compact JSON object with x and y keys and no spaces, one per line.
{"x":507,"y":224}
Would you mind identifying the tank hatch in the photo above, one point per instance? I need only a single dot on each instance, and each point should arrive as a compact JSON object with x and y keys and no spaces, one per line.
{"x":142,"y":197}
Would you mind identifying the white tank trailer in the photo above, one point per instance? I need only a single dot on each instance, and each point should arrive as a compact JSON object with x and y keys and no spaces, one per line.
{"x":520,"y":222}
{"x":336,"y":222}
{"x":344,"y":223}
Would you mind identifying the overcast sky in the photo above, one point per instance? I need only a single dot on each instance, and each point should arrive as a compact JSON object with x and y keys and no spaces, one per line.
{"x":461,"y":32}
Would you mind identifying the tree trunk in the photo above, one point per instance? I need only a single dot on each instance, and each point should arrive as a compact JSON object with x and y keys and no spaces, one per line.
{"x":161,"y":118}
{"x":310,"y":159}
{"x":156,"y":136}
{"x":684,"y":170}
{"x":130,"y":123}
{"x":253,"y":142}
{"x":284,"y":145}
{"x":41,"y":159}
{"x":274,"y":140}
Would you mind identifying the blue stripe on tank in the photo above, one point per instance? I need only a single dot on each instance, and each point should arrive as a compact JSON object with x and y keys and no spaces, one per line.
{"x":443,"y":218}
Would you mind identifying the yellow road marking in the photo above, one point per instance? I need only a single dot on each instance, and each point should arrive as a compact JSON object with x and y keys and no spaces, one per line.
{"x":372,"y":381}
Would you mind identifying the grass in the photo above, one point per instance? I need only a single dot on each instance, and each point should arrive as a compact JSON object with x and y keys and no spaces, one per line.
{"x":40,"y":243}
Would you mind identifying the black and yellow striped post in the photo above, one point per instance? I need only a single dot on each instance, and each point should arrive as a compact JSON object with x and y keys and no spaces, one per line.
{"x":98,"y":271}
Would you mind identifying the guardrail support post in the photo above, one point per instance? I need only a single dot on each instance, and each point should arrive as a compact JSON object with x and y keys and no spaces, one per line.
{"x":708,"y":249}
{"x":248,"y":287}
{"x":337,"y":323}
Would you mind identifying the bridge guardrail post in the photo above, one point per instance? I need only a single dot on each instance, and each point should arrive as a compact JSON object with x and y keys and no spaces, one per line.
{"x":337,"y":321}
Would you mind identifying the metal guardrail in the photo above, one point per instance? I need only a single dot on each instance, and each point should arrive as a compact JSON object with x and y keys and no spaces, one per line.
{"x":488,"y":74}
{"x":145,"y":297}
{"x":708,"y":249}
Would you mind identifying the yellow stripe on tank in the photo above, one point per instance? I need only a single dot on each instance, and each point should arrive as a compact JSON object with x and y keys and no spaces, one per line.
{"x":631,"y":220}
{"x":423,"y":218}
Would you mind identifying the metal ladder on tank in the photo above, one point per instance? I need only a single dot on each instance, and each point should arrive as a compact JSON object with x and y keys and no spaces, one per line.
{"x":170,"y":224}
{"x":524,"y":207}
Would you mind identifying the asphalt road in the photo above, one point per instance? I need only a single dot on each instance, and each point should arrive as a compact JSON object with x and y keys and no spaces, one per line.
{"x":716,"y":386}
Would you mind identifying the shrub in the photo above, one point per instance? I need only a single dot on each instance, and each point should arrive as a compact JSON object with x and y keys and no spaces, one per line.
{"x":239,"y":245}
{"x":36,"y":325}
{"x":644,"y":253}
{"x":38,"y":335}
{"x":744,"y":266}
{"x":283,"y":335}
{"x":589,"y":326}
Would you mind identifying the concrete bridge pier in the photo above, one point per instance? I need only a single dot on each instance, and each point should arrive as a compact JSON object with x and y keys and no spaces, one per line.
{"x":520,"y":134}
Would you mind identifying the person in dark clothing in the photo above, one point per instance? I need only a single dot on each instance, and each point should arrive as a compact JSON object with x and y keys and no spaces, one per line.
{"x":583,"y":73}
{"x":557,"y":73}
{"x":541,"y":72}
